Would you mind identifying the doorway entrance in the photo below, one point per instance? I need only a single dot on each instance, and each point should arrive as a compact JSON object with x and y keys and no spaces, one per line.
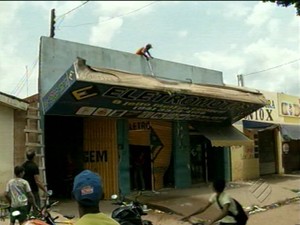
{"x":198,"y":158}
{"x":63,"y":152}
{"x":140,"y":167}
{"x":267,"y":149}
{"x":207,"y":162}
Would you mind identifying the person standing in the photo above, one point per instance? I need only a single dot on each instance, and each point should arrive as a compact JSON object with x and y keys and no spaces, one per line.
{"x":138,"y":170}
{"x":32,"y":176}
{"x":144,"y":51}
{"x":224,"y":202}
{"x":87,"y":191}
{"x":18,"y":194}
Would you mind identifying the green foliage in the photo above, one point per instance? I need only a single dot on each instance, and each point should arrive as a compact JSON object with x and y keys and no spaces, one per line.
{"x":287,"y":3}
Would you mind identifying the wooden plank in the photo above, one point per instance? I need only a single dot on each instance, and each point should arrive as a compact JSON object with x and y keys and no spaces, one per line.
{"x":32,"y":131}
{"x":37,"y":145}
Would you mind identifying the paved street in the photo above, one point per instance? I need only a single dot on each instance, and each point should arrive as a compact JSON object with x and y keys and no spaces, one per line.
{"x":169,"y":204}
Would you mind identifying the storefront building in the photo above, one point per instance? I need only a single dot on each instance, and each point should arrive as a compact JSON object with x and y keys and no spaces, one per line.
{"x":275,"y":129}
{"x":12,"y":123}
{"x":99,"y":116}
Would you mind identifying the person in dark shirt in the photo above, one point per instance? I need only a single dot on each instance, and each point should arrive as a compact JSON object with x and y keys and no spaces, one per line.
{"x":32,"y":176}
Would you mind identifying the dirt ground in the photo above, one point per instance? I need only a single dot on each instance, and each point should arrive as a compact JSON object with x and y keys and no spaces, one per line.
{"x":284,"y":215}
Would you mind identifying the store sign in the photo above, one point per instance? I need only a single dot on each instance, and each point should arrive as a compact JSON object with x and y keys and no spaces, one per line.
{"x":137,"y":103}
{"x":59,"y":89}
{"x":95,"y":156}
{"x":289,"y":107}
{"x":268,"y":113}
{"x":139,"y":125}
{"x":72,"y":97}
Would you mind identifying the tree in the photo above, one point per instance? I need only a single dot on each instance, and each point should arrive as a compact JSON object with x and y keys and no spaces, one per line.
{"x":287,"y":3}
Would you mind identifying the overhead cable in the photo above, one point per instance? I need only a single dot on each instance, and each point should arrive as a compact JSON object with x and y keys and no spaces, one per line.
{"x":23,"y":80}
{"x":114,"y":17}
{"x":272,"y":67}
{"x":63,"y":15}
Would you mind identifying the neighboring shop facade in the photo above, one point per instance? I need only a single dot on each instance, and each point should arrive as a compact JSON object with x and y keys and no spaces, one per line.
{"x":289,"y":111}
{"x":12,"y":124}
{"x":271,"y":127}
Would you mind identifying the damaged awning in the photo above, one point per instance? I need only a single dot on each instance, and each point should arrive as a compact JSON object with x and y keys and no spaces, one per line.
{"x":90,"y":91}
{"x":290,"y":132}
{"x":222,"y":136}
{"x":250,"y":124}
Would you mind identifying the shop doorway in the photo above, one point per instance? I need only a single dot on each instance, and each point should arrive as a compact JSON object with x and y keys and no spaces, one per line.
{"x":267,"y":156}
{"x":200,"y":146}
{"x":291,"y":159}
{"x":207,"y":162}
{"x":140,"y":167}
{"x":63,"y":153}
{"x":169,"y":179}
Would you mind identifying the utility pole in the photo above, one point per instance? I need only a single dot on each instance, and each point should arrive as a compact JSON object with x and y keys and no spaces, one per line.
{"x":240,"y":79}
{"x":52,"y":23}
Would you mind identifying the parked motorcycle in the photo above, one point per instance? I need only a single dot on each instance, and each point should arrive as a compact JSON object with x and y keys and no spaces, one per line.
{"x":129,"y":213}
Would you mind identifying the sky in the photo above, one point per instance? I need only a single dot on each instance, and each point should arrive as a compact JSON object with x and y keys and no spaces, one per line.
{"x":256,"y":39}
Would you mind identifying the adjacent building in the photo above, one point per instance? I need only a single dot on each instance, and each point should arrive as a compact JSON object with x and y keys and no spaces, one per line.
{"x":275,"y":129}
{"x":12,"y":123}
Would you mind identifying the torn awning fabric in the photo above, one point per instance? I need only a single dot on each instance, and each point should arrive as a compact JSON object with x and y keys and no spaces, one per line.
{"x":290,"y":132}
{"x":221,"y":136}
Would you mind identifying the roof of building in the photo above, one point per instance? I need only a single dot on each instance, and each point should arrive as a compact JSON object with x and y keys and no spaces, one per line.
{"x":12,"y":101}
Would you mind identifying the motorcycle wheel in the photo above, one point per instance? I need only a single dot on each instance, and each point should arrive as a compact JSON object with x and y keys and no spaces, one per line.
{"x":147,"y":222}
{"x":126,"y":223}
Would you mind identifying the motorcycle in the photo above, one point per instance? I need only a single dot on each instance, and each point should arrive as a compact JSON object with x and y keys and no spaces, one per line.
{"x":129,"y":213}
{"x":43,"y":216}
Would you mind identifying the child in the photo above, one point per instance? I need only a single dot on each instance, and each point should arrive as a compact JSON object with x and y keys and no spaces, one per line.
{"x":17,"y":193}
{"x":222,"y":200}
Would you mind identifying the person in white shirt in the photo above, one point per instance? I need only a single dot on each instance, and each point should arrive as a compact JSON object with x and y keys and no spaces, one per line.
{"x":18,"y":193}
{"x":223,"y":201}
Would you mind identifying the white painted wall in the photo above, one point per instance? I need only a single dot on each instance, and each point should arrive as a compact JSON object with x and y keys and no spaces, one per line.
{"x":6,"y":145}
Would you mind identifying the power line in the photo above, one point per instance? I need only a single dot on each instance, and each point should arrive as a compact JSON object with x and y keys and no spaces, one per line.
{"x":63,"y":15}
{"x":272,"y":67}
{"x":114,"y":17}
{"x":24,"y":79}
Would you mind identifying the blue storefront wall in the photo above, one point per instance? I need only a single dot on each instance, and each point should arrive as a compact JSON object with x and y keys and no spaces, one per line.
{"x":181,"y":148}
